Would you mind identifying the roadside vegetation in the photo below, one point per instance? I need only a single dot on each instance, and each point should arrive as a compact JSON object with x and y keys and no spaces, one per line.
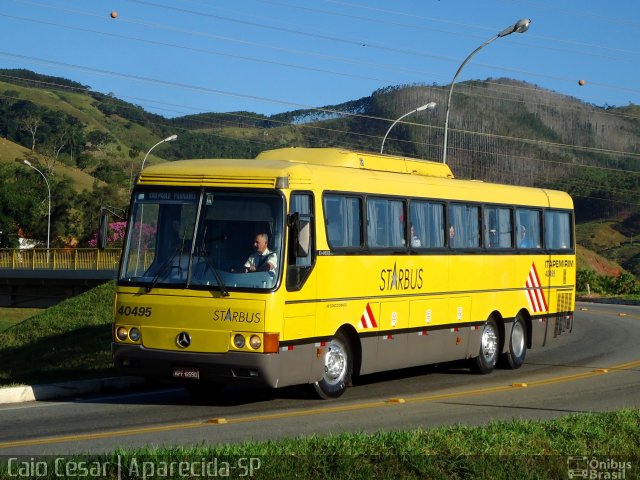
{"x":509,"y":450}
{"x":596,"y":445}
{"x":71,"y":340}
{"x":625,"y":285}
{"x":12,"y":316}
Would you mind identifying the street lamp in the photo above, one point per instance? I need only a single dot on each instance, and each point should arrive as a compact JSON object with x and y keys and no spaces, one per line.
{"x":28,"y":164}
{"x":428,"y":106}
{"x":168,"y":139}
{"x":520,"y":26}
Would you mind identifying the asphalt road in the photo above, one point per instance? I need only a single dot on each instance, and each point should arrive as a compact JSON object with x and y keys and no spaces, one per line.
{"x":595,"y":368}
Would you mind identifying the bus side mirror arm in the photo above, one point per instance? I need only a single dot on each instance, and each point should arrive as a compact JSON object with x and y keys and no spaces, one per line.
{"x":103,"y":230}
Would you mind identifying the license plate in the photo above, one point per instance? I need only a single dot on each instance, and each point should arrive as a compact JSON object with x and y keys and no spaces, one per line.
{"x":187,"y":373}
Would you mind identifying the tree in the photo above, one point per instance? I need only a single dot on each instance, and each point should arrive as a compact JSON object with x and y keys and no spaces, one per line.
{"x":90,"y":203}
{"x":85,"y":160}
{"x":626,"y":284}
{"x":56,"y":140}
{"x":26,"y":119}
{"x":98,"y":140}
{"x":31,"y":123}
{"x":133,"y":165}
{"x":18,"y":203}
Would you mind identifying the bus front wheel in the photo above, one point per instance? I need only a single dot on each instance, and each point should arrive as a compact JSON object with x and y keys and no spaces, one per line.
{"x":338,"y":367}
{"x":487,"y":357}
{"x":514,"y":358}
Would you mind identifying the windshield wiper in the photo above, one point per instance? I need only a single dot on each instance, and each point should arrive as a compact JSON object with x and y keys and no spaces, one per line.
{"x":165,"y":266}
{"x":210,"y":264}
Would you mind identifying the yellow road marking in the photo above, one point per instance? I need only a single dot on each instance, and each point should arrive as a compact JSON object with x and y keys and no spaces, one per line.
{"x":317,"y":411}
{"x":94,"y":436}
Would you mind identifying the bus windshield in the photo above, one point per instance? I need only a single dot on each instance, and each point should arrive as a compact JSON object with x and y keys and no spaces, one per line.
{"x":211,"y":239}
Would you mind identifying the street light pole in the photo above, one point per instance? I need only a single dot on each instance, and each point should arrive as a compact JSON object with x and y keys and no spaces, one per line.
{"x":520,"y":26}
{"x":28,"y":164}
{"x":168,"y":139}
{"x":428,"y":106}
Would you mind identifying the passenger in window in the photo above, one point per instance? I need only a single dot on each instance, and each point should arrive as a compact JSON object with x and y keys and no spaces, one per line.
{"x":263,"y":259}
{"x":415,"y":241}
{"x":452,"y":234}
{"x":524,"y":241}
{"x":493,"y":239}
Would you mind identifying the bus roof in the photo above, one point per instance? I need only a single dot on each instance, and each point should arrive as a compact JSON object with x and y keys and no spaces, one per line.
{"x":329,"y":169}
{"x":359,"y":160}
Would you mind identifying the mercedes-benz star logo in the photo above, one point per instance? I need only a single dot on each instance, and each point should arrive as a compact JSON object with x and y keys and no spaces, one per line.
{"x":183,"y":340}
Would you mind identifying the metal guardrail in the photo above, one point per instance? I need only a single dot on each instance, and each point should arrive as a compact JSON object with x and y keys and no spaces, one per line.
{"x":60,"y":259}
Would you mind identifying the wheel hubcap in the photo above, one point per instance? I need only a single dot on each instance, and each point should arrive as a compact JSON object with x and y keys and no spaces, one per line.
{"x":517,"y":339}
{"x":335,"y":363}
{"x":489,"y":343}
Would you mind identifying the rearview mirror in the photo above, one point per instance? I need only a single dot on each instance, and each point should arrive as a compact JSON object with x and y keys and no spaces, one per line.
{"x":300,"y":234}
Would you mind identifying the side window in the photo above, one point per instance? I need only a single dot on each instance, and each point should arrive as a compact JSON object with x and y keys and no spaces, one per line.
{"x":426,"y":227}
{"x":557,"y":230}
{"x":298,"y":267}
{"x":528,"y":228}
{"x":385,"y":223}
{"x":464,"y":228}
{"x":343,"y":220}
{"x":498,"y":227}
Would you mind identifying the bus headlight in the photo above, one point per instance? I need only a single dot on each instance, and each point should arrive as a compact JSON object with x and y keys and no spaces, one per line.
{"x":238,"y":341}
{"x":134,"y":334}
{"x":255,"y":342}
{"x":122,"y":333}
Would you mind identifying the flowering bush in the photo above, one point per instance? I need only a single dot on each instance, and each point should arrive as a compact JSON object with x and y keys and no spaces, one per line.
{"x":115,"y":235}
{"x":116,"y":232}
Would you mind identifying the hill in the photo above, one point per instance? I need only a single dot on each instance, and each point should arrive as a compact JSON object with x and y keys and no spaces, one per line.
{"x":616,"y":244}
{"x":80,"y":180}
{"x":499,"y":130}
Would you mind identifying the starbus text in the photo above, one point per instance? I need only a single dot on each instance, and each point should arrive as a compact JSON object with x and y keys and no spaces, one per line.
{"x":401,"y":279}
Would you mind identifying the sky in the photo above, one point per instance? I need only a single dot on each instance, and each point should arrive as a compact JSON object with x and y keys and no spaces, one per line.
{"x":183,"y":57}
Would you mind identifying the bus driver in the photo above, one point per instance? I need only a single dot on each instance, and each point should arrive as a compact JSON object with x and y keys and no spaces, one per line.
{"x":263,"y":259}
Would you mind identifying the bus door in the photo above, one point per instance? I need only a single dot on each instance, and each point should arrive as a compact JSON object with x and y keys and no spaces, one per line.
{"x":300,"y":308}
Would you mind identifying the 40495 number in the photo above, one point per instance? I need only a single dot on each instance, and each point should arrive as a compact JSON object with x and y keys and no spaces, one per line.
{"x":134,"y":311}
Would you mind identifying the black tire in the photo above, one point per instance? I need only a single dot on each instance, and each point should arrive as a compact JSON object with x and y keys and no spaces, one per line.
{"x":514,"y":358}
{"x":338,"y":368}
{"x":489,"y":351}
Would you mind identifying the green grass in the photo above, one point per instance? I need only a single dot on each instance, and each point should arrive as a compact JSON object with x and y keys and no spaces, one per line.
{"x":500,"y":450}
{"x":11,"y":316}
{"x":71,"y":340}
{"x":10,"y":151}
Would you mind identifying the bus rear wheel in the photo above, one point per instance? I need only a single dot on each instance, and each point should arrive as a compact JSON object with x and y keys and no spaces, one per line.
{"x":487,"y":357}
{"x":338,"y":368}
{"x":514,"y":358}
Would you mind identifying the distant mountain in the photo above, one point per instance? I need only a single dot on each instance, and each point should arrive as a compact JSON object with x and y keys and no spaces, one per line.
{"x":499,"y":130}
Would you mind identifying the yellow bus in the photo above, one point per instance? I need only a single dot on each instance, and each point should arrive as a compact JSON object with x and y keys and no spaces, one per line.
{"x":312,"y":266}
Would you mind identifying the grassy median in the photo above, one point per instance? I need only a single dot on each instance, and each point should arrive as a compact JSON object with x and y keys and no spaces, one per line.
{"x":598,"y":445}
{"x":509,"y":450}
{"x":71,"y":340}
